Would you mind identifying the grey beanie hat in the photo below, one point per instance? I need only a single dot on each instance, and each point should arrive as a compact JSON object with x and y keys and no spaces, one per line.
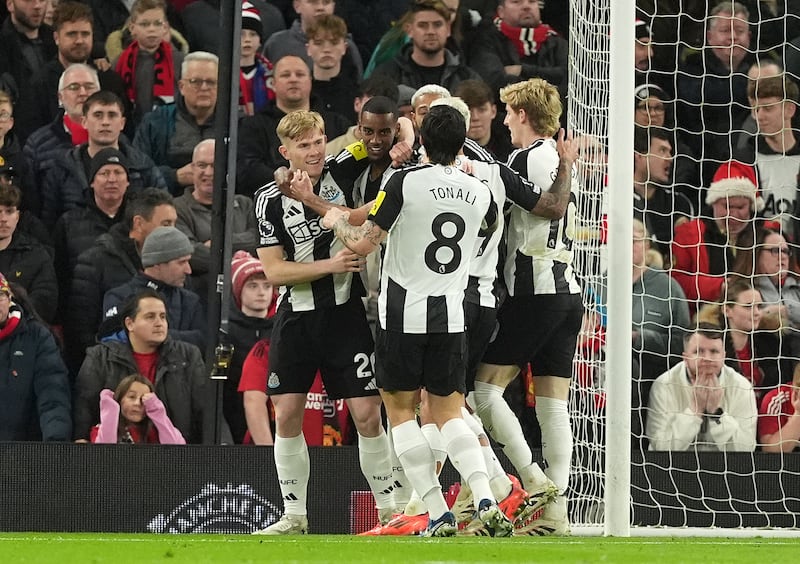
{"x":165,"y":244}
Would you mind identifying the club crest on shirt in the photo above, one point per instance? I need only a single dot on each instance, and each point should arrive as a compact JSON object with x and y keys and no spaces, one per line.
{"x":330,"y":192}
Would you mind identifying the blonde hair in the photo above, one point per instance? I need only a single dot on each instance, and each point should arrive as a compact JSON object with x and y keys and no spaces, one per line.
{"x":457,"y":104}
{"x":297,"y":124}
{"x":541,"y":103}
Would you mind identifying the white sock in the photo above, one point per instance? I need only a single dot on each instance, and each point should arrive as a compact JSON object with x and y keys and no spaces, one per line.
{"x":415,"y":505}
{"x":373,"y":454}
{"x":293,"y":465}
{"x":417,"y":459}
{"x":502,"y":424}
{"x":465,"y":454}
{"x":498,"y":479}
{"x":436,"y":442}
{"x":402,"y":488}
{"x":553,"y":416}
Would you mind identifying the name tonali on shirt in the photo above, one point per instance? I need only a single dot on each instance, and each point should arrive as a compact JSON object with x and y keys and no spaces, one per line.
{"x":434,"y":215}
{"x":285,"y":222}
{"x":539,"y":255}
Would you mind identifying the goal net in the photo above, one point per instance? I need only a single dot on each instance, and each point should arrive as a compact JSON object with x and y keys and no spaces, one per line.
{"x":694,"y":87}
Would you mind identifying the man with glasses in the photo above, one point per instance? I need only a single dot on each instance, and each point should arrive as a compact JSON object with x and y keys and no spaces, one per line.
{"x":65,"y":182}
{"x":170,"y":133}
{"x":73,"y":32}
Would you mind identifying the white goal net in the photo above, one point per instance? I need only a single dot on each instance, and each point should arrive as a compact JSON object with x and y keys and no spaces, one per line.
{"x":700,"y":90}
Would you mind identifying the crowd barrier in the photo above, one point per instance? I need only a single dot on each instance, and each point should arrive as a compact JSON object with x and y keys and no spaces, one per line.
{"x":217,"y":489}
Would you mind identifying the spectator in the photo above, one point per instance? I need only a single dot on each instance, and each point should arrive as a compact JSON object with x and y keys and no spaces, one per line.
{"x":121,"y":38}
{"x":334,"y":84}
{"x":373,"y":86}
{"x":26,"y":44}
{"x":250,"y":321}
{"x":165,"y":259}
{"x":515,"y":45}
{"x":779,"y":417}
{"x":170,"y":133}
{"x":109,"y":263}
{"x":642,"y":48}
{"x":78,"y":229}
{"x":293,"y":41}
{"x":769,"y":263}
{"x":134,"y":414}
{"x":484,"y":127}
{"x":11,"y":156}
{"x":65,"y":185}
{"x":258,"y":155}
{"x":703,"y":249}
{"x":49,"y":143}
{"x":73,"y":29}
{"x":28,"y":223}
{"x":27,"y":261}
{"x":37,"y":406}
{"x":702,"y":404}
{"x":111,"y":15}
{"x":195,"y":218}
{"x":149,"y":66}
{"x":757,"y":71}
{"x":654,"y":202}
{"x":775,"y":150}
{"x":425,"y":59}
{"x":255,"y":75}
{"x":712,"y":87}
{"x":201,"y":21}
{"x":752,"y":343}
{"x":175,"y":368}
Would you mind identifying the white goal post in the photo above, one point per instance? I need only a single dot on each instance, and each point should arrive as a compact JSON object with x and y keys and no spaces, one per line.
{"x":618,"y":488}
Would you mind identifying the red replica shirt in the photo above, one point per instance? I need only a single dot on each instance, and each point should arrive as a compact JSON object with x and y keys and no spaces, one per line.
{"x":776,"y":407}
{"x":325,"y":421}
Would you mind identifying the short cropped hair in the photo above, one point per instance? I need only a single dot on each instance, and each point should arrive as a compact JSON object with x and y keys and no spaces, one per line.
{"x":195,"y":56}
{"x":141,"y":6}
{"x":643,"y":138}
{"x":69,"y":12}
{"x":474,"y":92}
{"x":541,"y":103}
{"x":62,"y":80}
{"x":380,"y":105}
{"x":10,"y":196}
{"x":144,"y":204}
{"x":103,"y":98}
{"x":455,"y":103}
{"x":296,"y":124}
{"x":780,"y":86}
{"x":428,"y":89}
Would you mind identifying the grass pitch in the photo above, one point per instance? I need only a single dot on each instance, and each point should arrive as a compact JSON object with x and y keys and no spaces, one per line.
{"x":196,"y":549}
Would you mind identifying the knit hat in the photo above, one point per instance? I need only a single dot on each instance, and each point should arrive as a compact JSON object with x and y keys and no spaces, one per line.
{"x":735,"y":179}
{"x":642,"y":29}
{"x":165,"y":244}
{"x":109,"y":155}
{"x":251,"y":19}
{"x":243,"y":266}
{"x":4,"y":287}
{"x":642,"y":92}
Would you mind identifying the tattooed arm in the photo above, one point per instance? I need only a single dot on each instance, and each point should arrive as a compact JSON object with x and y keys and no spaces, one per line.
{"x":553,"y":203}
{"x":362,"y":239}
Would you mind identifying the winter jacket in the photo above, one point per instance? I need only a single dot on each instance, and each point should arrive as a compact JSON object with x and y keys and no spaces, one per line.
{"x":402,"y":70}
{"x":34,"y":387}
{"x":43,"y":148}
{"x":187,"y":320}
{"x":28,"y":263}
{"x":66,"y":185}
{"x":156,"y":137}
{"x":258,"y":156}
{"x":243,"y":333}
{"x":180,"y":383}
{"x":111,"y":262}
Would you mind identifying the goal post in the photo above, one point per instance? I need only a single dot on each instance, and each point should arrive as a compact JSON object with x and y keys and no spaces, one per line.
{"x":618,"y":487}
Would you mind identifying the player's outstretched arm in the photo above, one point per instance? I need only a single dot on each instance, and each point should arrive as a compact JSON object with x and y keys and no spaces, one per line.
{"x":553,"y":203}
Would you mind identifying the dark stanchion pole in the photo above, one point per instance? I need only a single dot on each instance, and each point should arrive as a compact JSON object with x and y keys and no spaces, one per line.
{"x":220,"y":350}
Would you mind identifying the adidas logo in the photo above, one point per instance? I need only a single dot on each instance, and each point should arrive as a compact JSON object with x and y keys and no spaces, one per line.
{"x":293,"y":211}
{"x":290,"y":497}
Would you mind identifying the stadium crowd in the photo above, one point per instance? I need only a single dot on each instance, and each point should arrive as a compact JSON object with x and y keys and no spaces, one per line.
{"x":107,"y":113}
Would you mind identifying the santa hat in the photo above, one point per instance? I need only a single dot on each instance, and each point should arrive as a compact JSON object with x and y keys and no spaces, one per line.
{"x":251,"y":19}
{"x":243,"y":266}
{"x":735,"y":179}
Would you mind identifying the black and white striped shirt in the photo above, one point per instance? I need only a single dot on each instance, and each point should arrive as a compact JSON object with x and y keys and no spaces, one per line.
{"x":539,"y":254}
{"x":285,"y":222}
{"x":433,"y":215}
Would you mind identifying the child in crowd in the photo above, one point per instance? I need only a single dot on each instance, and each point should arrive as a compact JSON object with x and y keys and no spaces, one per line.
{"x":149,"y":66}
{"x":134,"y":414}
{"x":255,"y":76}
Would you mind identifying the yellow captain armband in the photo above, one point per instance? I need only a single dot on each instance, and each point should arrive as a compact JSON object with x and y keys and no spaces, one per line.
{"x":357,"y":149}
{"x":378,"y":201}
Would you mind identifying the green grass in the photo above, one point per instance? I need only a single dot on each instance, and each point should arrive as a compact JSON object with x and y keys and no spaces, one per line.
{"x":196,"y":549}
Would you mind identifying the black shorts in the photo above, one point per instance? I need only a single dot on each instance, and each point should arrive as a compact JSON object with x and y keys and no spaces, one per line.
{"x":408,"y":362}
{"x":481,"y":324}
{"x":541,"y":330}
{"x":336,"y":341}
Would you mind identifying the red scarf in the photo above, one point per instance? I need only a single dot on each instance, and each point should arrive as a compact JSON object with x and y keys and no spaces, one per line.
{"x":527,"y":40}
{"x":79,"y":133}
{"x":14,"y":315}
{"x":163,"y":70}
